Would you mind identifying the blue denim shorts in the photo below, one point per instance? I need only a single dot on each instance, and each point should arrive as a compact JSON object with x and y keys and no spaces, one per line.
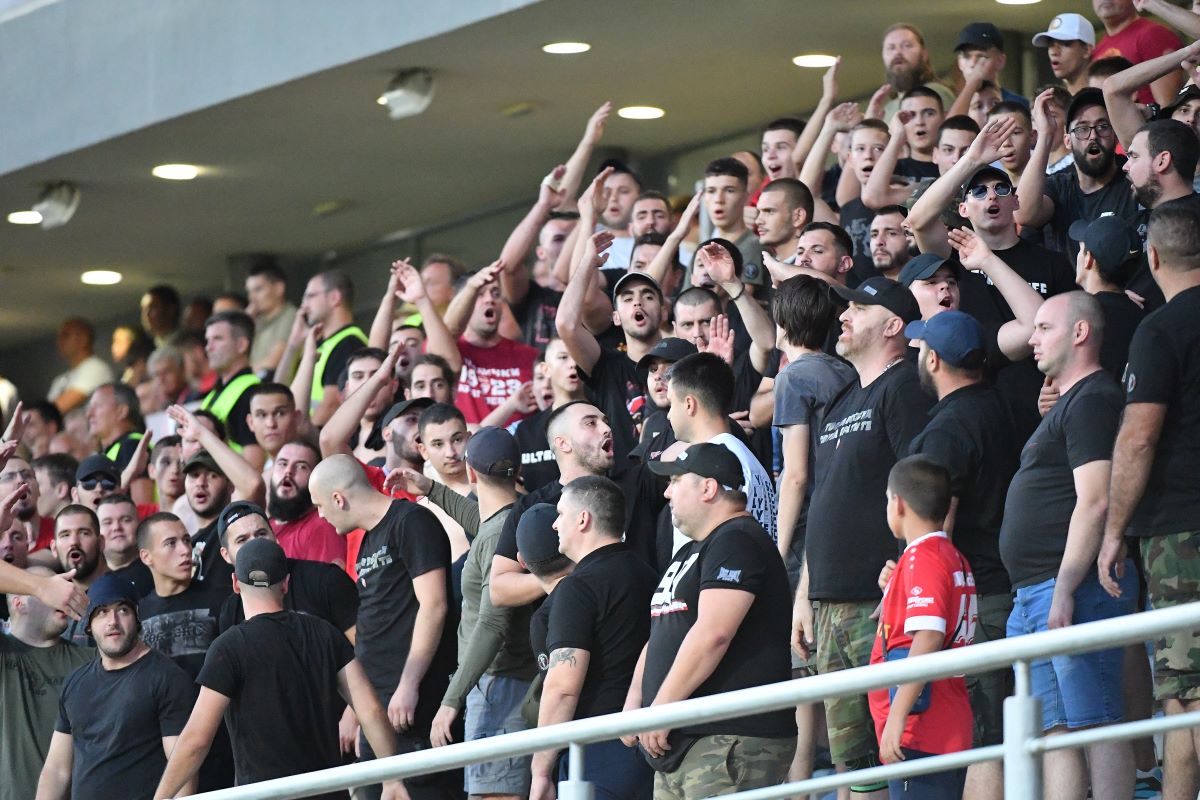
{"x":1081,"y":690}
{"x":493,"y":708}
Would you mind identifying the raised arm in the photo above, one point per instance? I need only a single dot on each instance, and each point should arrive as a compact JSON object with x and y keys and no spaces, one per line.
{"x":660,"y":266}
{"x":816,"y":120}
{"x":335,"y":436}
{"x":458,"y":313}
{"x":1013,"y":336}
{"x":1186,"y":22}
{"x":580,"y":342}
{"x":514,"y":278}
{"x":1035,"y":208}
{"x":381,"y":326}
{"x":973,"y":77}
{"x":719,"y":263}
{"x":247,"y":481}
{"x":842,"y":118}
{"x":438,"y":339}
{"x":879,"y":191}
{"x":301,"y":383}
{"x":577,"y":163}
{"x":1123,"y":112}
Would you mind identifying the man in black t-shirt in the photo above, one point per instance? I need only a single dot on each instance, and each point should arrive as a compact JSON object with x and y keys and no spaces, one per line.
{"x":281,"y":681}
{"x":405,"y":633}
{"x":971,"y":434}
{"x":538,"y":466}
{"x":868,"y":427}
{"x":716,"y":626}
{"x":1052,"y":530}
{"x":1111,"y":252}
{"x":119,"y":716}
{"x":596,"y":628}
{"x":1153,"y":492}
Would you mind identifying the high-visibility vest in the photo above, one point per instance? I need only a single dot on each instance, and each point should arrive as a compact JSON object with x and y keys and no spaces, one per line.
{"x":220,"y":404}
{"x":323,"y":351}
{"x":115,"y":448}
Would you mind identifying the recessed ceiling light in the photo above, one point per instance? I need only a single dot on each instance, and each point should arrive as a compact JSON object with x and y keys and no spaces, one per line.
{"x":814,"y":60}
{"x":566,"y":48}
{"x":100,"y":277}
{"x":381,"y":100}
{"x":25,"y":217}
{"x":175,"y":172}
{"x":640,"y":112}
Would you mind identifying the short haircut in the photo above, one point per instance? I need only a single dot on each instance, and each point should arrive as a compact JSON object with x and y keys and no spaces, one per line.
{"x":730,"y":167}
{"x":841,"y":239}
{"x":805,"y":312}
{"x":457,"y":266}
{"x":218,"y":426}
{"x":269,"y":270}
{"x":793,"y":124}
{"x":163,"y":353}
{"x":549,"y":567}
{"x":125,"y":395}
{"x":871,"y":124}
{"x":653,"y":238}
{"x":448,"y":373}
{"x":1015,"y":108}
{"x":59,"y":467}
{"x":169,"y":297}
{"x":698,"y":296}
{"x":270,"y":389}
{"x":924,"y":91}
{"x":334,"y":280}
{"x":654,"y":194}
{"x":438,"y":414}
{"x":237,"y":298}
{"x":1107,"y":67}
{"x":705,"y":377}
{"x":621,"y":168}
{"x":47,"y":411}
{"x":164,"y":444}
{"x":959,"y":122}
{"x":358,"y":355}
{"x":1174,"y":137}
{"x":114,"y":500}
{"x":78,"y":508}
{"x":1174,"y":232}
{"x":797,"y":194}
{"x":146,"y":526}
{"x":1083,"y":307}
{"x":553,"y":419}
{"x":893,"y":209}
{"x":307,"y":444}
{"x":924,"y":485}
{"x":603,"y":498}
{"x":240,"y":321}
{"x":1058,"y":94}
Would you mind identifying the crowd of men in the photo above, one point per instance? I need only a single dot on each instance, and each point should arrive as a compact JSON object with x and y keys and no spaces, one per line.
{"x":928,"y":378}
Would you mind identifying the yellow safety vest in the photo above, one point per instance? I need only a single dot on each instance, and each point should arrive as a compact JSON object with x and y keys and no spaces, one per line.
{"x":323,"y":351}
{"x":220,"y":404}
{"x":115,"y":448}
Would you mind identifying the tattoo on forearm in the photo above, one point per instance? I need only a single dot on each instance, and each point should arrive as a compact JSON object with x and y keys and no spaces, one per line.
{"x":563,"y":655}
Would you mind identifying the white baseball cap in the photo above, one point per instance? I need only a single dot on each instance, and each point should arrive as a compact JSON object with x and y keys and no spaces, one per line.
{"x":1067,"y":28}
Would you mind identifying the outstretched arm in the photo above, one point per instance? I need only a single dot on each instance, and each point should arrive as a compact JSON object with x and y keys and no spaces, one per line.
{"x":577,"y":163}
{"x":842,"y":118}
{"x":829,"y":92}
{"x":1187,"y":22}
{"x":879,"y":191}
{"x":660,"y":266}
{"x":1013,"y":336}
{"x":247,"y":481}
{"x":335,"y":436}
{"x":1035,"y":208}
{"x":719,"y":263}
{"x":514,"y":278}
{"x":1123,"y":112}
{"x":381,"y":326}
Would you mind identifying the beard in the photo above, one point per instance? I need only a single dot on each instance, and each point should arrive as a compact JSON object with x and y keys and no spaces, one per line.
{"x":1095,"y":166}
{"x":1148,"y":194}
{"x":407,"y":452}
{"x":903,"y":77}
{"x":926,"y":378}
{"x":121,"y":648}
{"x":289,"y":509}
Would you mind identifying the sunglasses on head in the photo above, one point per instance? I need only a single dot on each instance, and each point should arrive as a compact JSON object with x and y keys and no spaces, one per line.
{"x":91,"y":484}
{"x":981,"y":192}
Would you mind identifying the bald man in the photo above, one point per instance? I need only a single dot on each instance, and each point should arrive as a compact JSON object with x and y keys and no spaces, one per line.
{"x":406,"y":624}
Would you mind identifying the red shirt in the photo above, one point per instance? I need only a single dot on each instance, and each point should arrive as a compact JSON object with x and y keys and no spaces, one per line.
{"x":931,"y":590}
{"x":45,"y":534}
{"x":375,"y":476}
{"x":310,"y":538}
{"x":491,"y":375}
{"x":1140,"y":40}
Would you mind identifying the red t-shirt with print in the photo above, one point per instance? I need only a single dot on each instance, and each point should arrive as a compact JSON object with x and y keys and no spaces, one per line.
{"x":491,"y":375}
{"x":1140,"y":40}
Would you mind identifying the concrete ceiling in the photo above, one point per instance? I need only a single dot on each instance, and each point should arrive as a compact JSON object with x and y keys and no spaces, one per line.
{"x":272,"y":157}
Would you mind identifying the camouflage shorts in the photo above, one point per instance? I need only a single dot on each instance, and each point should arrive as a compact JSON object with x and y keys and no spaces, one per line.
{"x":845,"y":635}
{"x":1172,"y":568}
{"x":724,"y":764}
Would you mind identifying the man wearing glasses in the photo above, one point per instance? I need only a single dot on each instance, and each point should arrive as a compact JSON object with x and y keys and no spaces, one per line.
{"x":1095,"y":188}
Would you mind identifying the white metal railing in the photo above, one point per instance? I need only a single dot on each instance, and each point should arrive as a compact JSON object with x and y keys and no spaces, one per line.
{"x":1021,"y":751}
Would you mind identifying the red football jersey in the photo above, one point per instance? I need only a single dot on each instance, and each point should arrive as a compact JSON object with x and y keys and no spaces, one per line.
{"x":932,"y":589}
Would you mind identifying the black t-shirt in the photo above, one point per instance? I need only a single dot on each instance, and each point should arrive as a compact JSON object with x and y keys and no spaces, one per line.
{"x":536,"y":315}
{"x":538,"y":466}
{"x":601,"y":607}
{"x":657,"y":436}
{"x":117,"y":720}
{"x":323,"y":590}
{"x":1080,"y":429}
{"x":1164,"y":368}
{"x":971,"y":433}
{"x":407,"y":543}
{"x":138,"y":574}
{"x":182,"y":626}
{"x":279,"y":671}
{"x":1071,"y":204}
{"x":746,"y":380}
{"x":864,"y":433}
{"x":620,"y":394}
{"x":126,"y":444}
{"x":211,"y":569}
{"x":856,"y":219}
{"x":539,"y":624}
{"x":1122,"y":317}
{"x":506,"y":545}
{"x":736,"y":555}
{"x":1047,"y":271}
{"x":916,"y":170}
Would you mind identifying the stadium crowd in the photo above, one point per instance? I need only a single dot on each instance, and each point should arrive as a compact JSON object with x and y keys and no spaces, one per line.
{"x":933,"y":380}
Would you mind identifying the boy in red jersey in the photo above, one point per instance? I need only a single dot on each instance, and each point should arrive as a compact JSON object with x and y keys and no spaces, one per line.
{"x":928,"y":605}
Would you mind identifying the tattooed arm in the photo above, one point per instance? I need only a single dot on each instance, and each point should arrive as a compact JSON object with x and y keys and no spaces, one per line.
{"x":560,"y":694}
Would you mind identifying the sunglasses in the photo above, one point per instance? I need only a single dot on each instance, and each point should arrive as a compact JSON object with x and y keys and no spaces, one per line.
{"x":91,"y":484}
{"x":981,"y":192}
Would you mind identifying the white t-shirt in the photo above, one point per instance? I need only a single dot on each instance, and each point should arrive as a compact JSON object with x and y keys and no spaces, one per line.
{"x":84,"y":377}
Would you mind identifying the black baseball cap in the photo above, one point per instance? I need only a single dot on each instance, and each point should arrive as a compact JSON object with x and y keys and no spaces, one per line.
{"x":108,"y":590}
{"x":419,"y":403}
{"x":881,"y":291}
{"x":1112,"y":241}
{"x":493,"y":451}
{"x":260,"y":562}
{"x":632,"y":277}
{"x":202,"y":458}
{"x":235,"y":511}
{"x":707,"y":460}
{"x":536,"y":538}
{"x":670,"y":349}
{"x":953,"y":335}
{"x":924,"y":266}
{"x":97,"y":464}
{"x":1189,"y":92}
{"x":980,"y":34}
{"x":1085,"y":98}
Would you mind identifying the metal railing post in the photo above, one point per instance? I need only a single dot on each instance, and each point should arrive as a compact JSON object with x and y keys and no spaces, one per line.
{"x":576,"y":788}
{"x":1022,"y":722}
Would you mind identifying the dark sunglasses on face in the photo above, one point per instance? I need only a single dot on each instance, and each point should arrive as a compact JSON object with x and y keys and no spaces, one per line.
{"x":981,"y":192}
{"x":91,"y":484}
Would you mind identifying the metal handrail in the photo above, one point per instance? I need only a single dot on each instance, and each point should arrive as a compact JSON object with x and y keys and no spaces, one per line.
{"x":978,"y":658}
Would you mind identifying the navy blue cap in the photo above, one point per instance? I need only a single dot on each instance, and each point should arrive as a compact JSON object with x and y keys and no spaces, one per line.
{"x":493,"y":451}
{"x":107,"y":590}
{"x":923,"y":267}
{"x":881,"y":291}
{"x":707,"y":460}
{"x":953,"y":335}
{"x":536,"y":538}
{"x":983,"y":35}
{"x":1113,"y":242}
{"x":260,"y":562}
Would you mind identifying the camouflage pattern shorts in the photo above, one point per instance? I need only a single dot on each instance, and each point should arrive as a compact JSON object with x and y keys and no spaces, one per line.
{"x":1172,"y":568}
{"x":845,"y":635}
{"x":724,"y":764}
